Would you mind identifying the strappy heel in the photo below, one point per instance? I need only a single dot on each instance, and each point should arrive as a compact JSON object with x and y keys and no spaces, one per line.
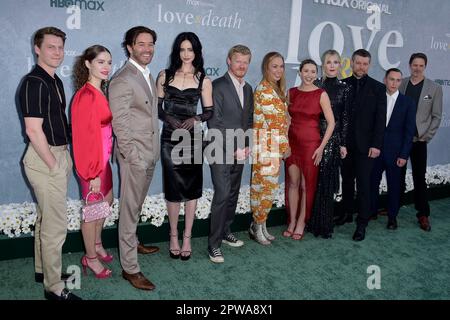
{"x":297,"y":236}
{"x":108,"y":258}
{"x":105,"y":273}
{"x":171,"y":251}
{"x":186,"y":257}
{"x":287,"y":233}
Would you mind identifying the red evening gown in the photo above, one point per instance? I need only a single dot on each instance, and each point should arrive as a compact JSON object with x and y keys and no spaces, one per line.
{"x":304,"y":138}
{"x":92,"y":139}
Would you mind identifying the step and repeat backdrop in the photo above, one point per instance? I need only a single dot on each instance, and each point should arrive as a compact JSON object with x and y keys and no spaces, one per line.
{"x":390,"y":29}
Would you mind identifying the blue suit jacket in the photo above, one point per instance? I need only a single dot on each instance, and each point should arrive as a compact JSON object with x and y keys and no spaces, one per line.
{"x":398,"y":135}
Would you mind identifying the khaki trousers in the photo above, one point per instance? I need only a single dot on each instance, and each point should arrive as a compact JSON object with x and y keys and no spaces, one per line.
{"x":50,"y":189}
{"x":135,"y":181}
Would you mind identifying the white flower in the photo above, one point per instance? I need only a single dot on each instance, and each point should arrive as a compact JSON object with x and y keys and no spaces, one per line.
{"x":19,"y":219}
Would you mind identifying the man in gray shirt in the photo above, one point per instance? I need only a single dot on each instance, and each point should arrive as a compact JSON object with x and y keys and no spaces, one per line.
{"x":427,"y":95}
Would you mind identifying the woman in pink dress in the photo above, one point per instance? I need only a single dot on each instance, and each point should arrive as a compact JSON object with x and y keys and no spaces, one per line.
{"x":306,"y":103}
{"x":92,"y":145}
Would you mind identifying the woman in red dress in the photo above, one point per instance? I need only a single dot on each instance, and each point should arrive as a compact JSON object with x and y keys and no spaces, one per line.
{"x":92,"y":145}
{"x":306,"y":103}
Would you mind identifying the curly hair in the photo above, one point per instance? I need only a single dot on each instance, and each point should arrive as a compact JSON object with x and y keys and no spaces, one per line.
{"x":80,"y":71}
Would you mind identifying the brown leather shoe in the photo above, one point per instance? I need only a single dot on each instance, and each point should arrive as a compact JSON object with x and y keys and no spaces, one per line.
{"x":424,"y":223}
{"x":138,"y":280}
{"x":146,"y":249}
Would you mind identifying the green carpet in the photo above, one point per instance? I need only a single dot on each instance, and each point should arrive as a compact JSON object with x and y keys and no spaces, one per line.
{"x":414,"y":265}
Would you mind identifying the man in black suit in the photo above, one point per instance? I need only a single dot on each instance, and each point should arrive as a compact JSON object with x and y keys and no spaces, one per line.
{"x":367,"y":122}
{"x":233,"y":115}
{"x":398,"y":140}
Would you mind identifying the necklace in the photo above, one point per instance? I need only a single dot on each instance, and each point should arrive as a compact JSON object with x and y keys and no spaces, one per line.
{"x":184,"y":77}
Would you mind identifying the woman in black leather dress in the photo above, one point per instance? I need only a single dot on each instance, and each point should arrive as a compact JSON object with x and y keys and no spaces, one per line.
{"x":321,"y":222}
{"x":180,"y":87}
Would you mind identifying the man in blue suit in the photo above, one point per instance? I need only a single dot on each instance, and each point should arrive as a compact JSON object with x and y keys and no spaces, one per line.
{"x":398,"y":139}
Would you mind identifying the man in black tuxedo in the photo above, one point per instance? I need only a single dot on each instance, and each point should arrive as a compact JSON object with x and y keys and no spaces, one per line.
{"x":367,"y":122}
{"x":233,"y":115}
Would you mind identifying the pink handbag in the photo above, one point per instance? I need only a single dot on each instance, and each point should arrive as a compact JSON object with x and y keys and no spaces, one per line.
{"x":95,"y":210}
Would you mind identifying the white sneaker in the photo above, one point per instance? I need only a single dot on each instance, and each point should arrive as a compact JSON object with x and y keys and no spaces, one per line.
{"x":232,"y":241}
{"x":215,"y":255}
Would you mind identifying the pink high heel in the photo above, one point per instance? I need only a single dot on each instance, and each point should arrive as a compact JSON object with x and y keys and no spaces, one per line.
{"x":105,"y":273}
{"x":108,"y":258}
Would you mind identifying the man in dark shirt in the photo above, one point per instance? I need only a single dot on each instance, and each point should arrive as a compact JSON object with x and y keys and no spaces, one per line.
{"x":47,"y":161}
{"x":427,"y":96}
{"x":367,"y":121}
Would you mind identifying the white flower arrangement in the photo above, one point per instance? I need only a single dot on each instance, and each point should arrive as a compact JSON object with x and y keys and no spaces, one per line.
{"x":19,"y":219}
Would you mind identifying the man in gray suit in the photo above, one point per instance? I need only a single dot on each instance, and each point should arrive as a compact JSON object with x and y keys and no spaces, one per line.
{"x":133,"y":102}
{"x":233,"y":110}
{"x":427,"y":95}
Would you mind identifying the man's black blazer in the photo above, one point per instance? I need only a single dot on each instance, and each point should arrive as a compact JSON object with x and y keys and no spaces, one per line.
{"x":367,"y":120}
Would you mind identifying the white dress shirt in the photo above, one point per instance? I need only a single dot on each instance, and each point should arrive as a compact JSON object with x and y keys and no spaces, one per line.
{"x":391,"y":99}
{"x":239,"y":86}
{"x":145,"y":72}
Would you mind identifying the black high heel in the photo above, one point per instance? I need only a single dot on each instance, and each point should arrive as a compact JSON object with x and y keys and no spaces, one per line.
{"x":171,"y":251}
{"x":185,"y":258}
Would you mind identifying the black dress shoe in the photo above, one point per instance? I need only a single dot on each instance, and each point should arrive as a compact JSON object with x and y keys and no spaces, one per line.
{"x":392,"y":224}
{"x":39,"y":277}
{"x":346,"y":218}
{"x":327,"y":235}
{"x":359,"y":234}
{"x":65,"y":295}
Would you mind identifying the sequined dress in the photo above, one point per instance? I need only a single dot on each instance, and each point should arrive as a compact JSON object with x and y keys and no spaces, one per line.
{"x":321,"y":222}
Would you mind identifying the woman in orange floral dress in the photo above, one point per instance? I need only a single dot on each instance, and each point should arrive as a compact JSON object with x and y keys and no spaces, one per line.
{"x":270,"y":143}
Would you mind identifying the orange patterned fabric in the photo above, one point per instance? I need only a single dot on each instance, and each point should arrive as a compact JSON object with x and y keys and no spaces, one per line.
{"x":270,"y":143}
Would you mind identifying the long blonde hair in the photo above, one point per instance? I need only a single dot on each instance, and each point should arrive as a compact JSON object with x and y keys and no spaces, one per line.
{"x":330,"y":52}
{"x":280,"y":85}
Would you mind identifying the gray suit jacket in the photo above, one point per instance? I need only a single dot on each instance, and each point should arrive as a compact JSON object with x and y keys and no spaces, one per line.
{"x":135,"y":116}
{"x":228,"y":111}
{"x":429,"y":109}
